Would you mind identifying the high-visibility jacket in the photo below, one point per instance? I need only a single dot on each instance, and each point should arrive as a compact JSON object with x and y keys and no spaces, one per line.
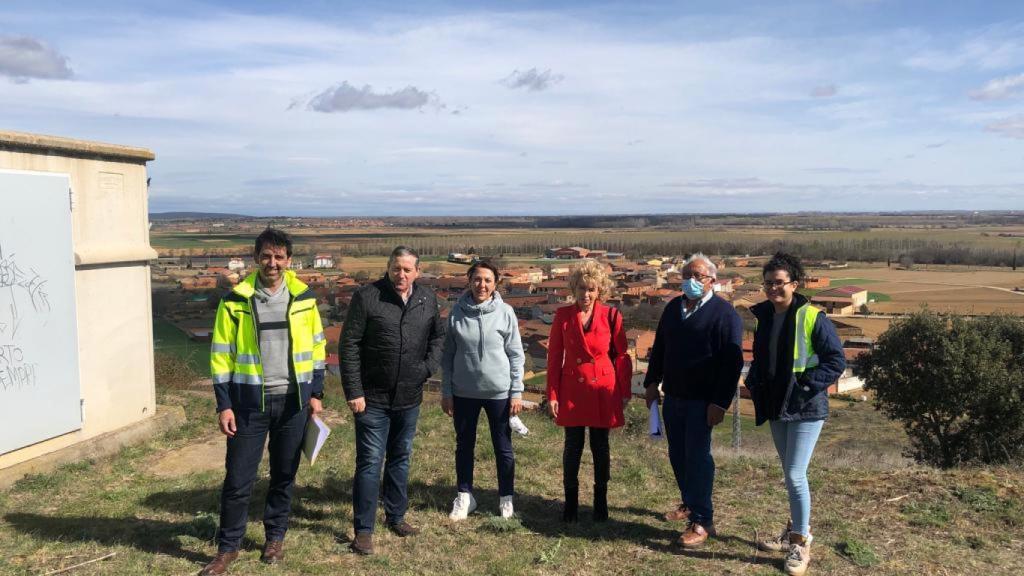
{"x":809,"y":359}
{"x":235,"y":360}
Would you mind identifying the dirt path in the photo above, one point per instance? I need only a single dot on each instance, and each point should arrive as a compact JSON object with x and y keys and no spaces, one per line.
{"x":207,"y":453}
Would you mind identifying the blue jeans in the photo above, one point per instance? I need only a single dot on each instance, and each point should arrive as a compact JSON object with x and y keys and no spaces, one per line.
{"x":794,"y":441}
{"x":689,"y":451}
{"x":466,"y":416}
{"x":285,"y":423}
{"x":382,"y":433}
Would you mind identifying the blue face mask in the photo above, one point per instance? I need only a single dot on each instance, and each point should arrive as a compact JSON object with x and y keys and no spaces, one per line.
{"x":693,"y":289}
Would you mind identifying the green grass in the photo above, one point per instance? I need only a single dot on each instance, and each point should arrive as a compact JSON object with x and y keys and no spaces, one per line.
{"x":858,"y":552}
{"x":165,"y":525}
{"x":168,"y":338}
{"x":878,"y":297}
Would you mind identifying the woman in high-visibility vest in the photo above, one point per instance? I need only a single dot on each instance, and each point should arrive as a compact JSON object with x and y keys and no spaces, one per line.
{"x":797,"y":356}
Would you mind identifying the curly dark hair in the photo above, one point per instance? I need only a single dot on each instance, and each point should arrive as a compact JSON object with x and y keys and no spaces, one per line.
{"x":274,"y":237}
{"x":787,"y":262}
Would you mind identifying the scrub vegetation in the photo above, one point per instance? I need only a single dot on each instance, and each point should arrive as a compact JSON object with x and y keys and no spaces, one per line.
{"x":957,"y":386}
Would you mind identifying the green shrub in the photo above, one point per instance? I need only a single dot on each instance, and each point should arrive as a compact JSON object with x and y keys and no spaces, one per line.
{"x":956,"y":385}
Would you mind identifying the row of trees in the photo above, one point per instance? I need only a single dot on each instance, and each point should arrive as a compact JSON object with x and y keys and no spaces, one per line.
{"x":637,"y":244}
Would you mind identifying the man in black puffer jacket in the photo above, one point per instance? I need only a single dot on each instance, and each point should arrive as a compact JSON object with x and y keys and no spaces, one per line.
{"x":390,"y":345}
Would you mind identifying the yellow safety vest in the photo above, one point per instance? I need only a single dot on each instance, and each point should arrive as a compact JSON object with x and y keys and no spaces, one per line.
{"x":235,"y":358}
{"x":804,"y":356}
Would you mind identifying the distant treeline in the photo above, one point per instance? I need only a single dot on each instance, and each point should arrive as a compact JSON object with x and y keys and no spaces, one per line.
{"x":797,"y":221}
{"x":638,"y":244}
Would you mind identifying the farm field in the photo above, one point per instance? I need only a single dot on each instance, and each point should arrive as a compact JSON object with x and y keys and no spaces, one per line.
{"x":959,"y":289}
{"x":439,"y":240}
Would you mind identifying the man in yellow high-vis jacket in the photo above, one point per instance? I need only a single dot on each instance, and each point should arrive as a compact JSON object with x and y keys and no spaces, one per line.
{"x":267,"y":361}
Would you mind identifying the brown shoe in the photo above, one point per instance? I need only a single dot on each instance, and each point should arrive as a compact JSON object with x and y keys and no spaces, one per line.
{"x":681,"y":512}
{"x":362,"y":544}
{"x":219,"y":564}
{"x":403,"y":529}
{"x":273,"y":552}
{"x":696,"y":535}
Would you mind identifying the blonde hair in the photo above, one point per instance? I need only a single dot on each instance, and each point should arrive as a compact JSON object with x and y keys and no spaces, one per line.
{"x":590,"y":272}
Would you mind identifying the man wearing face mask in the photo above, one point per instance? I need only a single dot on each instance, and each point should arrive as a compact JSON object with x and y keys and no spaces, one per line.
{"x":697,"y":358}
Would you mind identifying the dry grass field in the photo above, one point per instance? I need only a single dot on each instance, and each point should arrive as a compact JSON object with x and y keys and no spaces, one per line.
{"x":155,"y":506}
{"x":958,"y":289}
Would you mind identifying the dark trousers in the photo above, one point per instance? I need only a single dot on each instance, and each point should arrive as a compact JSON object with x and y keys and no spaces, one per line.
{"x":285,"y":422}
{"x":382,"y":433}
{"x":573,"y":453}
{"x":466,"y":415}
{"x":689,"y":451}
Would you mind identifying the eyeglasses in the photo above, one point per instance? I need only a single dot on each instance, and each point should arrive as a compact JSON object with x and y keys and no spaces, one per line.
{"x":699,"y":277}
{"x":777,"y":283}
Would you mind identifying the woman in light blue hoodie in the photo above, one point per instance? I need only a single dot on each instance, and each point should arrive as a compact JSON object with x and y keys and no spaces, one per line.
{"x":483,"y":368}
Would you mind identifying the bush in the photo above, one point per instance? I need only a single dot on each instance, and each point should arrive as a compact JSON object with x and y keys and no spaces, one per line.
{"x":173,"y":372}
{"x":956,"y":384}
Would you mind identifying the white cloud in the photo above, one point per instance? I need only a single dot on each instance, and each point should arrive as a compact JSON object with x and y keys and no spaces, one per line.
{"x":1000,"y":88}
{"x":22,"y":58}
{"x":1012,"y":127}
{"x":991,"y":48}
{"x":345,"y":97}
{"x":532,"y":79}
{"x":711,"y":107}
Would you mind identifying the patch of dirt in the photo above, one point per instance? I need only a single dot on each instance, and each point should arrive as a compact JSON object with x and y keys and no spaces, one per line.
{"x":198,"y":457}
{"x":208,"y":453}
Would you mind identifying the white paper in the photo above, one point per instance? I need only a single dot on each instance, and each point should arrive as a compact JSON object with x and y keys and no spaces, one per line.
{"x":518,"y":426}
{"x":316,"y":434}
{"x":654,"y":423}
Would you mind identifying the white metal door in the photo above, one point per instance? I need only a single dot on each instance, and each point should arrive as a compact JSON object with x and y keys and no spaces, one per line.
{"x":40,"y":395}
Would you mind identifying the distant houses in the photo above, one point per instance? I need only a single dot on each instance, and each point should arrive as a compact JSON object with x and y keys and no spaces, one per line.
{"x":570,"y":253}
{"x":458,"y":258}
{"x":323,"y":260}
{"x":642,"y":286}
{"x":817,"y":282}
{"x":841,"y":301}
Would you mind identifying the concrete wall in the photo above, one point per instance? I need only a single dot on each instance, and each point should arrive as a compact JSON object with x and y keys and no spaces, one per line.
{"x":111,"y":242}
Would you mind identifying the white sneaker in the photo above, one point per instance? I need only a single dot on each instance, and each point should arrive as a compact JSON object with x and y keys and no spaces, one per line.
{"x":505,"y":506}
{"x":799,"y":557}
{"x":462,"y":506}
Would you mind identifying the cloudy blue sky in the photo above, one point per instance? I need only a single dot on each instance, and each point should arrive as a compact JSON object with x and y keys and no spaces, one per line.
{"x":522,"y":107}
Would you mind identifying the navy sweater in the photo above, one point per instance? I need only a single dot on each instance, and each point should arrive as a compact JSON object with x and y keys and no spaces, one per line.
{"x":700,"y":358}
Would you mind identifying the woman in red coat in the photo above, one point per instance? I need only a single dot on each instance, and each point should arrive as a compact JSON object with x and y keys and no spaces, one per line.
{"x":589,"y":374}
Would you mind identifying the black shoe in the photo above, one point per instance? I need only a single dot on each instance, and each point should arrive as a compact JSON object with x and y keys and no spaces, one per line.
{"x":570,"y":513}
{"x":600,"y":502}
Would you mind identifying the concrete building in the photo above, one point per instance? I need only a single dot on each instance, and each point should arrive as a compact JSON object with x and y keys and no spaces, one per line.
{"x":323,"y":261}
{"x":570,"y":253}
{"x":842,"y":301}
{"x":111,"y":290}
